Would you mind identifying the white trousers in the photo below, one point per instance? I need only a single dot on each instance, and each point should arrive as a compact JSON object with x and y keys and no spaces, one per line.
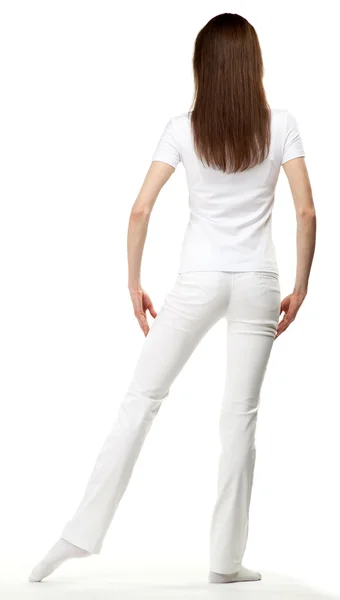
{"x":250,"y":301}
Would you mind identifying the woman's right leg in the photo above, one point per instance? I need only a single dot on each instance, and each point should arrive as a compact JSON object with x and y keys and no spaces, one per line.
{"x":253,"y":316}
{"x":195,"y":303}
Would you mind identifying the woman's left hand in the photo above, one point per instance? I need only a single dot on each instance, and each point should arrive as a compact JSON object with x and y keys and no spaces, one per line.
{"x":141,"y":303}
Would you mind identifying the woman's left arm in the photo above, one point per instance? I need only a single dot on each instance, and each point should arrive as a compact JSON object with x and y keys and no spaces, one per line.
{"x":157,"y":175}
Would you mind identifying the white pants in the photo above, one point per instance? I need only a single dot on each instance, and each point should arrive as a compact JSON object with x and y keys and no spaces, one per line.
{"x":197,"y":300}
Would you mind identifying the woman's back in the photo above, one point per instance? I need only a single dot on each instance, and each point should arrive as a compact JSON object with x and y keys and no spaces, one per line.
{"x":230,"y":213}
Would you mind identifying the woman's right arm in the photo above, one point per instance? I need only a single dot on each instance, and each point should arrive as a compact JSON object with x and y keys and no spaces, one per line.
{"x":297,"y":174}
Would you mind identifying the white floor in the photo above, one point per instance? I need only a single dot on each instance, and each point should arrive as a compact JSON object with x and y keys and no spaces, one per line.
{"x":96,"y":581}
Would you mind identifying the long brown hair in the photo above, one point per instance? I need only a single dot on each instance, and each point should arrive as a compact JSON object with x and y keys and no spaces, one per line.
{"x":231,"y":117}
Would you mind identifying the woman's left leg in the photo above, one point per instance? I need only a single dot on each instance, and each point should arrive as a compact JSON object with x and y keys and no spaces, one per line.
{"x":195,"y":303}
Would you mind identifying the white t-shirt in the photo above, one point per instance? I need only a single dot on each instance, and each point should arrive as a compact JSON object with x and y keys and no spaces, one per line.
{"x":229,"y":228}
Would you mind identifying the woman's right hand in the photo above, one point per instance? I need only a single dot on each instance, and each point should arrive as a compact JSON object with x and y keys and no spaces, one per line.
{"x":141,"y":303}
{"x":290,"y":306}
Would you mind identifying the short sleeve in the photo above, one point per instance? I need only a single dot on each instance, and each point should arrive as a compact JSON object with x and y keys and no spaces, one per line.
{"x":293,"y":146}
{"x":167,"y":149}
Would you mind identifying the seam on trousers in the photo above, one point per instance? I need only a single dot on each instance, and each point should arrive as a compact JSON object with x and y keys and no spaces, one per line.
{"x":231,"y":291}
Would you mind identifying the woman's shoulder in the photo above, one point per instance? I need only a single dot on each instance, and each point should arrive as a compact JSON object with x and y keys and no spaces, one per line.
{"x":182,"y":118}
{"x":282,"y":114}
{"x":181,"y":124}
{"x":278,"y":113}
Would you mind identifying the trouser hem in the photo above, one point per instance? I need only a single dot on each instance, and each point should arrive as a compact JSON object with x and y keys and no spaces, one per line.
{"x":225,"y":568}
{"x":80,"y":542}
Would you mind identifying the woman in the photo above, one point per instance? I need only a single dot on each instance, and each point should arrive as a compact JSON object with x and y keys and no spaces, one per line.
{"x":232,"y":146}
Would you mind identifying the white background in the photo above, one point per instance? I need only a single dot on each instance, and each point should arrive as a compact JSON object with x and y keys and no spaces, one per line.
{"x":87,"y":87}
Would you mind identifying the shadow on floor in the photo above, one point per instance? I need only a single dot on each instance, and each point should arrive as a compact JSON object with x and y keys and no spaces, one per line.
{"x":100,"y":587}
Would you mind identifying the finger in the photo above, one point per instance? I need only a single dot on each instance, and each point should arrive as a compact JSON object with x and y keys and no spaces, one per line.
{"x":141,"y":318}
{"x":152,"y":311}
{"x":280,"y":327}
{"x":143,"y":327}
{"x":143,"y":323}
{"x":279,"y":331}
{"x":284,"y":324}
